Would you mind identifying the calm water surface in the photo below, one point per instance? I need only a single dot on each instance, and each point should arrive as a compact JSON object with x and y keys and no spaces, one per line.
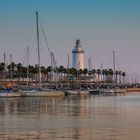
{"x":71,"y":118}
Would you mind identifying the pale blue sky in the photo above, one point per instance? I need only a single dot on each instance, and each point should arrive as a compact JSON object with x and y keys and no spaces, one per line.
{"x":102,"y":26}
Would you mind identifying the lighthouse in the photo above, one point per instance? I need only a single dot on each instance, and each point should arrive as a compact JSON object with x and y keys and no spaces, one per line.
{"x":78,"y":56}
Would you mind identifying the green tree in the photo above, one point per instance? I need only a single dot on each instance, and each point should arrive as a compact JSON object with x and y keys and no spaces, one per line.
{"x":2,"y":67}
{"x":93,"y":73}
{"x":104,"y":74}
{"x":116,"y":76}
{"x":2,"y":70}
{"x":61,"y":71}
{"x":120,"y":76}
{"x":19,"y":70}
{"x":98,"y":73}
{"x":123,"y":75}
{"x":12,"y":70}
{"x":111,"y":73}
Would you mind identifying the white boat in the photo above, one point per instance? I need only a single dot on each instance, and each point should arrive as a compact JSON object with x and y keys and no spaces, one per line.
{"x":43,"y":93}
{"x":40,"y":91}
{"x":112,"y":90}
{"x":119,"y":90}
{"x":76,"y":92}
{"x":7,"y":93}
{"x":84,"y":91}
{"x":94,"y":92}
{"x":106,"y":90}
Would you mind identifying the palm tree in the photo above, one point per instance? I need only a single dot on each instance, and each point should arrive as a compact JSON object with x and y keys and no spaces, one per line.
{"x":80,"y":71}
{"x":90,"y":74}
{"x":93,"y":73}
{"x":49,"y":70}
{"x":31,"y":69}
{"x":98,"y":73}
{"x":11,"y":69}
{"x":2,"y":67}
{"x":19,"y":67}
{"x":61,"y":70}
{"x":120,"y":76}
{"x":107,"y":75}
{"x":104,"y":74}
{"x":2,"y":70}
{"x":116,"y":76}
{"x":23,"y":72}
{"x":73,"y":72}
{"x":35,"y":71}
{"x":85,"y":72}
{"x":42,"y":72}
{"x":111,"y":73}
{"x":123,"y":75}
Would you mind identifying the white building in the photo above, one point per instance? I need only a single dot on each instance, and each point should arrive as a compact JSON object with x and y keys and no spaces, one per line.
{"x":78,"y":56}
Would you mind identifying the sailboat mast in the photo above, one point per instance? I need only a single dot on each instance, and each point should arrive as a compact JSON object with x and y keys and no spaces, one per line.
{"x":27,"y":65}
{"x":4,"y":56}
{"x":68,"y":61}
{"x":11,"y":67}
{"x":114,"y":65}
{"x":38,"y":48}
{"x":4,"y":67}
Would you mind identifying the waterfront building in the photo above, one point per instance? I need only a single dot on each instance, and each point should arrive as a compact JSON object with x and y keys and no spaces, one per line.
{"x":78,"y":56}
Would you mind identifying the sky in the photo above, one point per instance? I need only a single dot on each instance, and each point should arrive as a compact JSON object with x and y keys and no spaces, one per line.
{"x":101,"y":25}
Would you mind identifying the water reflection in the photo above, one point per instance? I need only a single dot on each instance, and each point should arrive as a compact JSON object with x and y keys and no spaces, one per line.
{"x":72,"y":117}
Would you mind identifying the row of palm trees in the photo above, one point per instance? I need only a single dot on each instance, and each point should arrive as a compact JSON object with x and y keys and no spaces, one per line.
{"x":19,"y":71}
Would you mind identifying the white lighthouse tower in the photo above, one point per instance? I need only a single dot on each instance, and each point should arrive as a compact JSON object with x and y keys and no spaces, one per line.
{"x":78,"y":56}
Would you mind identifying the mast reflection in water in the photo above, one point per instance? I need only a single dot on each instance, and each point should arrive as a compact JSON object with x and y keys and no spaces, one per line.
{"x":72,"y":117}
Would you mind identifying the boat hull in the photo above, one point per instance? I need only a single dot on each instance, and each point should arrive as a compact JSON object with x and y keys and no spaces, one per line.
{"x":11,"y":94}
{"x":119,"y":90}
{"x":76,"y":92}
{"x":94,"y":92}
{"x":42,"y":93}
{"x":106,"y":91}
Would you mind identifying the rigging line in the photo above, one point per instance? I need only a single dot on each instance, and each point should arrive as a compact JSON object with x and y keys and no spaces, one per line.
{"x":6,"y":61}
{"x":30,"y":39}
{"x":24,"y":58}
{"x":31,"y":33}
{"x":45,"y":37}
{"x":42,"y":55}
{"x":50,"y":52}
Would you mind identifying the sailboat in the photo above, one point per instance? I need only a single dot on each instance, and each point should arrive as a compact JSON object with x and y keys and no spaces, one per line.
{"x":9,"y":93}
{"x":113,"y":88}
{"x":40,"y":91}
{"x":7,"y":90}
{"x":117,"y":89}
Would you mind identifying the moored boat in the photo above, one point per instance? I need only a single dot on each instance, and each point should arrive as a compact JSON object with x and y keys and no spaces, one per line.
{"x":119,"y":90}
{"x":42,"y":93}
{"x":106,"y":90}
{"x":9,"y":93}
{"x":76,"y":92}
{"x":94,"y":92}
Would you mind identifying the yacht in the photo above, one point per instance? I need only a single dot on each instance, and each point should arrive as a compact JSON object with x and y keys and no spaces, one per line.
{"x":9,"y":93}
{"x":39,"y":91}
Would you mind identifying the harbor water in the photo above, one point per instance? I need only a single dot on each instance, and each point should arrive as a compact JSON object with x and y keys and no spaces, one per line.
{"x":84,"y":117}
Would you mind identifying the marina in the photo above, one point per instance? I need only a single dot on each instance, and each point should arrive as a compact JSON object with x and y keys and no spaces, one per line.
{"x":60,"y":81}
{"x":69,"y":70}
